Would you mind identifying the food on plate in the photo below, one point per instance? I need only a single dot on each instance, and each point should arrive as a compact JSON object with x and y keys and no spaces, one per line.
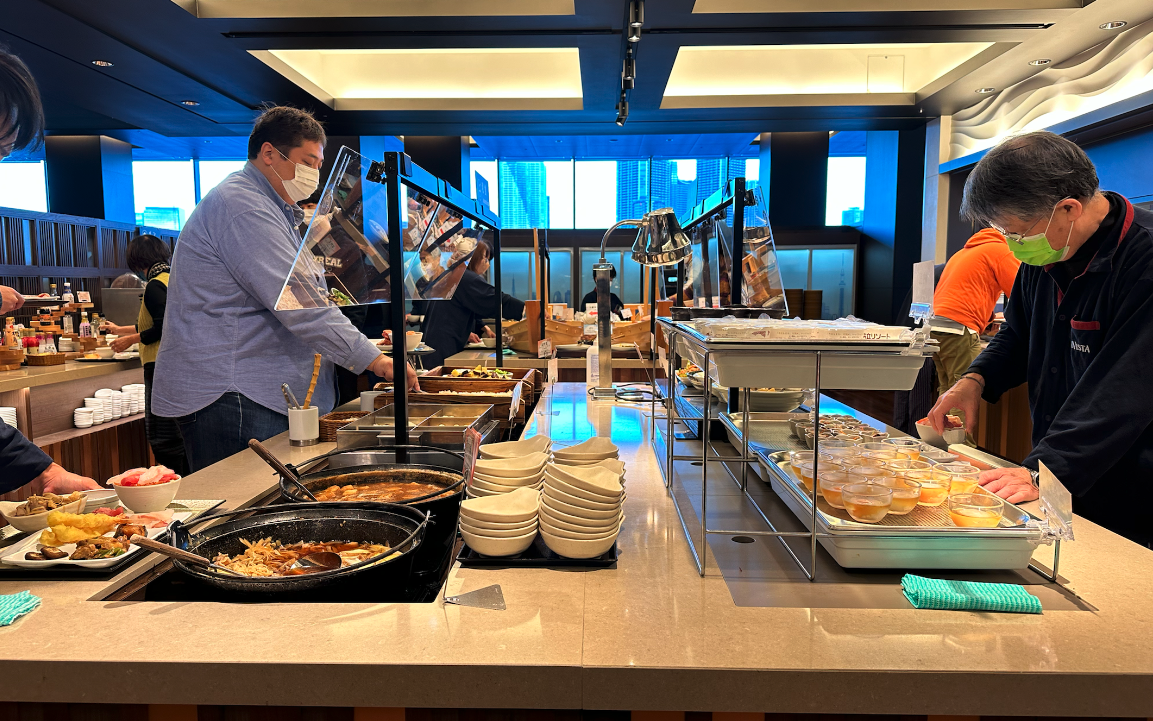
{"x":266,"y":557}
{"x":144,"y":477}
{"x":118,"y":511}
{"x":47,"y":502}
{"x":388,"y":492}
{"x":950,"y":422}
{"x":74,"y":527}
{"x":156,"y":519}
{"x":129,"y":529}
{"x":45,"y":554}
{"x":100,"y":547}
{"x":481,"y":372}
{"x":91,"y":356}
{"x":339,"y":297}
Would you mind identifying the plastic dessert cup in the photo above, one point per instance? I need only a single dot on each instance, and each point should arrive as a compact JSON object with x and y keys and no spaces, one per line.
{"x":867,"y":502}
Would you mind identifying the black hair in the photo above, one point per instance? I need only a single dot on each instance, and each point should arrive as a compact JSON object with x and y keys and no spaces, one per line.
{"x":480,"y":254}
{"x":286,"y":128}
{"x":145,"y":251}
{"x":21,"y":112}
{"x":1026,"y":176}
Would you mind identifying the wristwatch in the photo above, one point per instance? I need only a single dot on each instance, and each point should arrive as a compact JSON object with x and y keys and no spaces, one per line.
{"x":1036,"y":477}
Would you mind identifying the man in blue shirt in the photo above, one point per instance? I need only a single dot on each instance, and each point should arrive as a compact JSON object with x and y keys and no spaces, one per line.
{"x":226,"y":351}
{"x":22,"y":126}
{"x":1078,"y":327}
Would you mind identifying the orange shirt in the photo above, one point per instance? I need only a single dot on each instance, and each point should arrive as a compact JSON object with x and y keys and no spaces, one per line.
{"x":974,"y":278}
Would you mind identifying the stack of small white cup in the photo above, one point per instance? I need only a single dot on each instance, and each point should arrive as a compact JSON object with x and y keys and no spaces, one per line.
{"x":96,"y":405}
{"x":134,"y":392}
{"x":8,"y":415}
{"x":85,"y":417}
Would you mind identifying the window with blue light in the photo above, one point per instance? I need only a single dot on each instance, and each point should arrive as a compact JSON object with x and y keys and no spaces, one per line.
{"x":23,"y":186}
{"x":536,"y":193}
{"x":486,"y":169}
{"x":214,"y":171}
{"x":845,"y":196}
{"x":165,"y":192}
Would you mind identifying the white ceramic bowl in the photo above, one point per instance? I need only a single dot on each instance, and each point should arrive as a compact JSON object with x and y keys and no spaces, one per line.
{"x":146,"y":499}
{"x":38,"y":522}
{"x":558,"y":507}
{"x":518,"y":505}
{"x":560,"y":495}
{"x":488,"y":342}
{"x":523,"y":526}
{"x":500,"y":487}
{"x":104,"y":352}
{"x":499,"y":546}
{"x":575,"y":523}
{"x":490,"y":533}
{"x":516,"y":449}
{"x":506,"y":481}
{"x":518,"y":467}
{"x":613,"y":464}
{"x":571,"y":548}
{"x":597,"y":445}
{"x":581,"y":535}
{"x":564,"y":486}
{"x":593,"y":479}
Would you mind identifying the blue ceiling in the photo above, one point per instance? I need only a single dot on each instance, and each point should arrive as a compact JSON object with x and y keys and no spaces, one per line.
{"x":616,"y":147}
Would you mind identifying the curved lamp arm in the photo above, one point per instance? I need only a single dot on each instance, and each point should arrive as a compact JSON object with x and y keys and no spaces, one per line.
{"x":605,"y":239}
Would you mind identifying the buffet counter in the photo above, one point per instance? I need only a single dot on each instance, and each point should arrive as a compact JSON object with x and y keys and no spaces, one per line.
{"x":649,"y":634}
{"x":627,"y":367}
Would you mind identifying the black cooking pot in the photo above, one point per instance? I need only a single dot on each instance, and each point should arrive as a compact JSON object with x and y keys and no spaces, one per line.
{"x":426,"y":464}
{"x":401,"y":528}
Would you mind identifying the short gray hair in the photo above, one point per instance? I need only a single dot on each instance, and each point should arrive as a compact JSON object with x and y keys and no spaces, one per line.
{"x":1026,"y":176}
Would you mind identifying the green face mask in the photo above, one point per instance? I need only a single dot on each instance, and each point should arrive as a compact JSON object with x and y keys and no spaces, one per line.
{"x":1035,"y":249}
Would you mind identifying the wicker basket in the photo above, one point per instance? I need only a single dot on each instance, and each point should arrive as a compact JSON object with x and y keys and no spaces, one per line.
{"x":51,"y":359}
{"x":331,"y":422}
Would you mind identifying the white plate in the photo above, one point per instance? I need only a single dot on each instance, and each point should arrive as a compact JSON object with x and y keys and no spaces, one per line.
{"x":573,"y":346}
{"x":15,"y":556}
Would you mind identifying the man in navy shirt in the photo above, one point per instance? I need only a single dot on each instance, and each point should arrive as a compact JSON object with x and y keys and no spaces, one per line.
{"x":1078,"y":328}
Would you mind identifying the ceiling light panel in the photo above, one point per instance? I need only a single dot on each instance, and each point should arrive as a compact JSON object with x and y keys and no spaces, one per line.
{"x":435,"y":79}
{"x":373,"y":8}
{"x":860,"y":6}
{"x":768,"y":75}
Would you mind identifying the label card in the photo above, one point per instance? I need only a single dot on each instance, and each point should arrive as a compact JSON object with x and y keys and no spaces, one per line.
{"x":544,"y":348}
{"x":471,"y":449}
{"x":553,"y":370}
{"x":514,"y":403}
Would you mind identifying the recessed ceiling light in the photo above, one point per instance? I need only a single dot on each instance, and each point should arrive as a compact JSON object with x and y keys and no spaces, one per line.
{"x":986,"y":91}
{"x":190,"y":103}
{"x":1113,"y":25}
{"x":102,"y":63}
{"x":1040,"y":61}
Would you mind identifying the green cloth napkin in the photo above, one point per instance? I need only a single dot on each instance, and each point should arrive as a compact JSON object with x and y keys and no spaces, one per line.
{"x":968,"y":595}
{"x":15,"y":605}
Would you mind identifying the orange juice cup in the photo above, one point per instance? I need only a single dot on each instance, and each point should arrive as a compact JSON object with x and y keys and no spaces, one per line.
{"x":797,"y":457}
{"x":934,"y":489}
{"x":907,"y":447}
{"x":976,"y":510}
{"x":885,"y":455}
{"x":962,"y":476}
{"x":804,"y":473}
{"x":902,"y":465}
{"x":830,"y":483}
{"x":862,"y":461}
{"x":906,"y":494}
{"x":869,"y":474}
{"x":867,"y":502}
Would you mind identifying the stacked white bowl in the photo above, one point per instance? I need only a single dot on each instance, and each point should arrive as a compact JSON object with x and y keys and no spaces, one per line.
{"x":83,"y":417}
{"x":588,"y":453}
{"x":8,"y":415}
{"x":492,"y":476}
{"x":501,"y":525}
{"x":97,"y":406}
{"x":135,"y":394}
{"x":581,"y":509}
{"x":516,"y":449}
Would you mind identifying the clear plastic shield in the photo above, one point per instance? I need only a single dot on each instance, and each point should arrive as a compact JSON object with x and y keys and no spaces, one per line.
{"x":761,"y":285}
{"x":707,"y":269}
{"x":344,"y":259}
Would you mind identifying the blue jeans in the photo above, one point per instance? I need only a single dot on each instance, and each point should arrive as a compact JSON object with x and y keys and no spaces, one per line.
{"x":224,"y":427}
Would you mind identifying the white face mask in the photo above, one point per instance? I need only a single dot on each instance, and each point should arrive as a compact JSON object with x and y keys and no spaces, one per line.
{"x":303,"y":184}
{"x":308,"y":213}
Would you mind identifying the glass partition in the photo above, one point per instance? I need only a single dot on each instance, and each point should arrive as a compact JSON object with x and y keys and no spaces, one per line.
{"x":344,"y":259}
{"x":707,"y":280}
{"x":760,"y":271}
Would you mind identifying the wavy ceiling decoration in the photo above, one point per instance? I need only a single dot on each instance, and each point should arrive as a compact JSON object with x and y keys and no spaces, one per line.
{"x":1099,"y":76}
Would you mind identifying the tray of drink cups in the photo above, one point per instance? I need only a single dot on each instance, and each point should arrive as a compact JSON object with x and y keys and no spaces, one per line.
{"x":881,"y":508}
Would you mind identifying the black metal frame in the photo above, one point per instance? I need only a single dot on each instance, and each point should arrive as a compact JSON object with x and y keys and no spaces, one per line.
{"x":394,"y":172}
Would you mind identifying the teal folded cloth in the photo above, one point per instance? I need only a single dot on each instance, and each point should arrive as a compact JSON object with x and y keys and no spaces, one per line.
{"x":968,"y":595}
{"x":15,"y":605}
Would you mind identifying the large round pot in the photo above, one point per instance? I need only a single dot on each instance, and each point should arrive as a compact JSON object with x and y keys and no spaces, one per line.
{"x":402,"y":528}
{"x":421,"y":463}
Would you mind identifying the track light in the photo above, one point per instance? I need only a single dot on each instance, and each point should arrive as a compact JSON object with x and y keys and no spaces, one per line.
{"x":630,"y":68}
{"x":627,"y":83}
{"x":102,"y":63}
{"x":636,"y":13}
{"x":634,"y":35}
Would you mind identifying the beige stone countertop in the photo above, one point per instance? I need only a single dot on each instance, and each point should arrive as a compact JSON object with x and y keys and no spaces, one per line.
{"x":648,"y":635}
{"x":33,"y":376}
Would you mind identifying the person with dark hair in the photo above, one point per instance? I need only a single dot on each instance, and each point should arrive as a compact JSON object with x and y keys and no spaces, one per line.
{"x":227,"y":349}
{"x":1078,"y":328}
{"x":450,"y":324}
{"x":615,"y":304}
{"x":22,"y":126}
{"x":148,"y":257}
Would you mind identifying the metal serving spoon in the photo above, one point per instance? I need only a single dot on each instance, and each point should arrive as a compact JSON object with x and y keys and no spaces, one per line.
{"x":279,"y":467}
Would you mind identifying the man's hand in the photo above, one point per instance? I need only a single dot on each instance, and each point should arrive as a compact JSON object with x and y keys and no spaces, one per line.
{"x":488,"y":332}
{"x":124,"y":342}
{"x":382,"y":367}
{"x":473,"y":338}
{"x":56,"y":480}
{"x":10,"y":300}
{"x":965,"y":396}
{"x":1015,"y":485}
{"x":120,"y":330}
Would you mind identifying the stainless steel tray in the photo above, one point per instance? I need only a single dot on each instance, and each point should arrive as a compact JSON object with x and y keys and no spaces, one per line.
{"x":898,"y":542}
{"x":427,"y":424}
{"x":864,"y":365}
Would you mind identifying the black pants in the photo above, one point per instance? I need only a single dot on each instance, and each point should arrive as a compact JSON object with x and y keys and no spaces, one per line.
{"x":163,"y":434}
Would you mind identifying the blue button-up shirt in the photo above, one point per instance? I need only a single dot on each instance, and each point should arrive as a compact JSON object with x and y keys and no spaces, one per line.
{"x":220,"y":332}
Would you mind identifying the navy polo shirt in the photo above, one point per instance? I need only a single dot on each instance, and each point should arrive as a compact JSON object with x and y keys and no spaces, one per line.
{"x":1087,"y":354}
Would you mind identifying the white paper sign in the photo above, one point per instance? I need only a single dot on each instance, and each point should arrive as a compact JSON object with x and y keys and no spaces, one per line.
{"x":553,"y":371}
{"x":544,"y":348}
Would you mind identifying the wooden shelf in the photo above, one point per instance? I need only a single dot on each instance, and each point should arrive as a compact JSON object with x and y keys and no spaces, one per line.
{"x":71,"y":433}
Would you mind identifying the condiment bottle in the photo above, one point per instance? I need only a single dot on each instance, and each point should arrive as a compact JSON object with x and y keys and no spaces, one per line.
{"x":68,"y":297}
{"x":50,"y":343}
{"x":51,"y":290}
{"x":85,"y":326}
{"x":69,"y":327}
{"x":9,"y":332}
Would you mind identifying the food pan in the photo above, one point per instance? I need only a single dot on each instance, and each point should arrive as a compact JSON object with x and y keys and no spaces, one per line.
{"x":897,"y":542}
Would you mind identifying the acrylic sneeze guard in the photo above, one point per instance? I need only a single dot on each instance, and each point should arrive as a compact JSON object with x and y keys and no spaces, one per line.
{"x":344,"y":259}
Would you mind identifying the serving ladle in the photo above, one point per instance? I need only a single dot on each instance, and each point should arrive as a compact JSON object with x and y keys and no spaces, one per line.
{"x":165,"y":550}
{"x":279,"y":467}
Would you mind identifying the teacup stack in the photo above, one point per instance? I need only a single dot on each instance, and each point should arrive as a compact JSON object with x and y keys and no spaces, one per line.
{"x":588,"y":453}
{"x":83,"y":417}
{"x":97,"y":406}
{"x":504,"y":524}
{"x":581,"y":509}
{"x":492,"y":476}
{"x":8,"y":415}
{"x":134,"y":395}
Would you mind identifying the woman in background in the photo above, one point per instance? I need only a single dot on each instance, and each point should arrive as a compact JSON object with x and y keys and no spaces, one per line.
{"x":148,"y":257}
